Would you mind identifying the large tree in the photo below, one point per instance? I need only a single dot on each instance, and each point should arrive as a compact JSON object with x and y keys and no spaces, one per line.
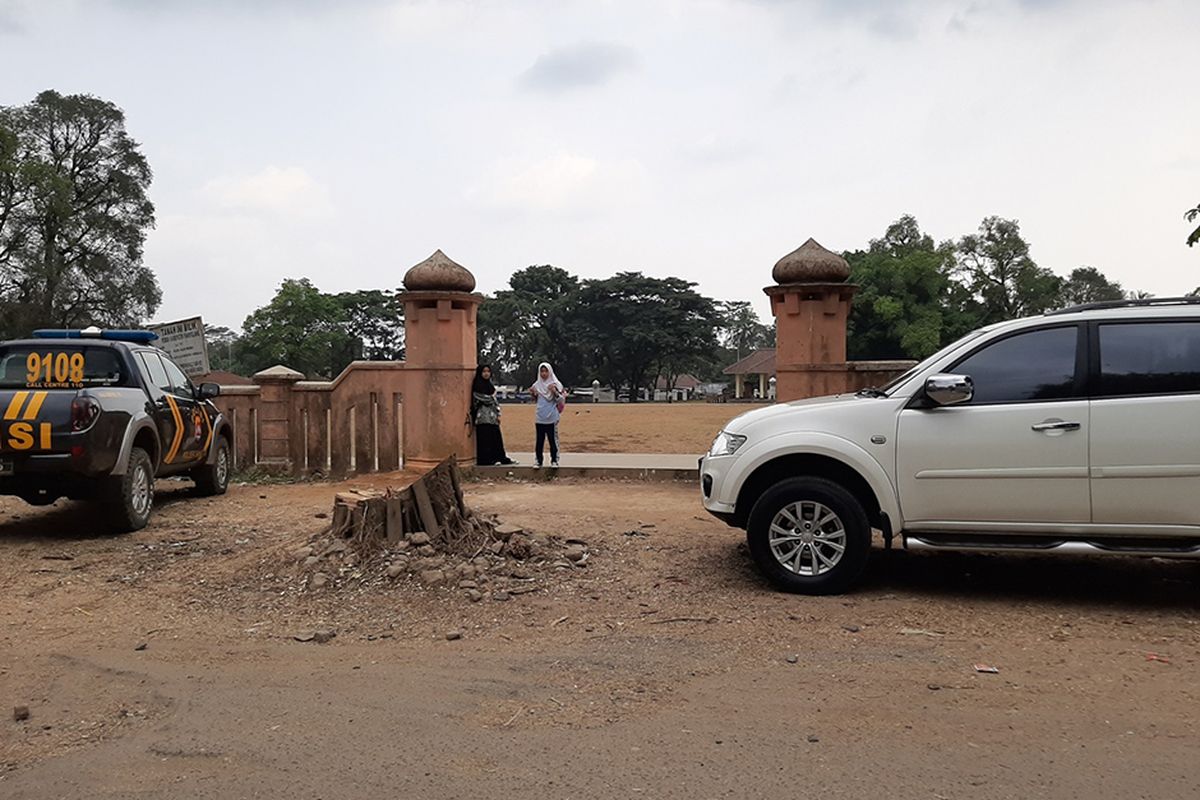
{"x":1089,"y":285}
{"x":741,"y":331}
{"x":907,"y":305}
{"x":532,"y":321}
{"x":1003,"y":280}
{"x":74,"y":214}
{"x":313,"y":332}
{"x":634,"y":328}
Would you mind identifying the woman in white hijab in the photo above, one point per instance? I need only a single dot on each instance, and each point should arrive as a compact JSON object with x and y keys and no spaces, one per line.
{"x":550,"y":396}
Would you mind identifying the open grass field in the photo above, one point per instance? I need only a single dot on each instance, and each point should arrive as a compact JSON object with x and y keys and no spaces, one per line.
{"x":626,"y":427}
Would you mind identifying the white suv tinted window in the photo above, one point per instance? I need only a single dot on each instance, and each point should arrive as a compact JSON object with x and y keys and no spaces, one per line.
{"x":1149,"y":358}
{"x":1039,"y":365}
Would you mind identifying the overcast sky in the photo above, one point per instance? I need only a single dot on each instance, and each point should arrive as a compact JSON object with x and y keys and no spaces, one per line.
{"x":345,"y":141}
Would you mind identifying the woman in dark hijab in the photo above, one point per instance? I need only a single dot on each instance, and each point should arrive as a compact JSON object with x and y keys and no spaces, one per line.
{"x":485,"y":413}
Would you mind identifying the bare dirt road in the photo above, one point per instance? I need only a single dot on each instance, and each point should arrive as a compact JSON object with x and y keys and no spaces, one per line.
{"x":164,"y":665}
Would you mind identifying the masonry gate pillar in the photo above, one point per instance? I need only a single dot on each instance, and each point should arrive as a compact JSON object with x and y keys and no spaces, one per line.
{"x":811,"y":305}
{"x":440,"y":312}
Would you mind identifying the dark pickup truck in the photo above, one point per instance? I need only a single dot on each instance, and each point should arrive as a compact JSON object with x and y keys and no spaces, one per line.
{"x":98,"y":415}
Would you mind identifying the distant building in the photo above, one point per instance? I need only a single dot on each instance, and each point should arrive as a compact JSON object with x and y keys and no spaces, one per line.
{"x":752,"y":375}
{"x":684,"y":389}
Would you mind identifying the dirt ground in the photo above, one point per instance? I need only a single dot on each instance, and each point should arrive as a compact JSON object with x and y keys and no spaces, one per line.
{"x":164,"y":664}
{"x":625,"y":427}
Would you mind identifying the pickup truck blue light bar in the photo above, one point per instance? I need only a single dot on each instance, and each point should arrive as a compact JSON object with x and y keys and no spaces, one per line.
{"x":137,"y":337}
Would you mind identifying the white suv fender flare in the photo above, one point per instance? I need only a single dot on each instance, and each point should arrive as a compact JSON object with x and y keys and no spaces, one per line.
{"x":802,"y":443}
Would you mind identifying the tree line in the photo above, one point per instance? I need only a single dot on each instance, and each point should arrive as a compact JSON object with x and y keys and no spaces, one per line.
{"x":75,"y":212}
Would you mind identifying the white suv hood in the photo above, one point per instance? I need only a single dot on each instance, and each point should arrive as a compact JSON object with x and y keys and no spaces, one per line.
{"x":794,"y":412}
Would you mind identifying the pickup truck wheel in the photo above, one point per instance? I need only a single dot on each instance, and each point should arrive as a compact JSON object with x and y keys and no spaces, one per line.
{"x":131,"y":496}
{"x":213,"y":478}
{"x":809,"y":536}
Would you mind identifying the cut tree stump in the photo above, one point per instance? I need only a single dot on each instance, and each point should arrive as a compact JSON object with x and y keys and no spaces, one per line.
{"x":371,"y":520}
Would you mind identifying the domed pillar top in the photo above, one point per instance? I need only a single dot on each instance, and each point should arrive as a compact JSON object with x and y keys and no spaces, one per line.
{"x":811,"y":304}
{"x":439,"y":273}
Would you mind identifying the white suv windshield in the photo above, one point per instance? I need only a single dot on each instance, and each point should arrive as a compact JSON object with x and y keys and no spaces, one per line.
{"x":938,"y":356}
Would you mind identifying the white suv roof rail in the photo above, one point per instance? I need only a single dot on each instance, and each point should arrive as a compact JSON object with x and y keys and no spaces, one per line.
{"x":1189,"y":300}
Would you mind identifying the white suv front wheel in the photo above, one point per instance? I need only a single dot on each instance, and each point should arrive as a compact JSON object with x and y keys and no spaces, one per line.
{"x":809,"y":536}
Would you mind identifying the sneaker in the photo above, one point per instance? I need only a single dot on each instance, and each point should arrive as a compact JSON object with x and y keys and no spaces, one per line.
{"x":539,"y":465}
{"x":554,"y":463}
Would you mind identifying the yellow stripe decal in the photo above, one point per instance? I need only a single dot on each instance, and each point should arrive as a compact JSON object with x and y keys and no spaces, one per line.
{"x":174,"y":451}
{"x":207,"y":439}
{"x":35,"y":405}
{"x":14,"y":406}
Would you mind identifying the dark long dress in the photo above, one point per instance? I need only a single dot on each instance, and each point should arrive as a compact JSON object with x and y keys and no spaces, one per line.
{"x":489,"y":443}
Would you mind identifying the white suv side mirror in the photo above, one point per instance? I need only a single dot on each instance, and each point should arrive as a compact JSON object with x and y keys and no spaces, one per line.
{"x":949,"y":390}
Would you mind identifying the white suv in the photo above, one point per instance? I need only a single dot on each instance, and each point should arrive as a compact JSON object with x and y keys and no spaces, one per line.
{"x":1077,"y":431}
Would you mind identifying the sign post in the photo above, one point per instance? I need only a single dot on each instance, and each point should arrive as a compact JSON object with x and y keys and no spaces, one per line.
{"x":184,"y":342}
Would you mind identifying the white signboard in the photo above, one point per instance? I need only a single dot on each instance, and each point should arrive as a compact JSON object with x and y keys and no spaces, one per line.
{"x":184,"y":342}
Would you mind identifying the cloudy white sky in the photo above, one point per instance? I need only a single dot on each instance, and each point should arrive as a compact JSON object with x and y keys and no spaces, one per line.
{"x":345,"y":141}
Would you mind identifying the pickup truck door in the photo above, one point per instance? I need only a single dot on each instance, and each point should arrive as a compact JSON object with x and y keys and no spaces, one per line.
{"x":1016,"y":453}
{"x":170,"y":414}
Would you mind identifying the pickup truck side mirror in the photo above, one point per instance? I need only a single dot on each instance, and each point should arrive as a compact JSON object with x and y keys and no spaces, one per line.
{"x":208,"y":391}
{"x":949,"y":390}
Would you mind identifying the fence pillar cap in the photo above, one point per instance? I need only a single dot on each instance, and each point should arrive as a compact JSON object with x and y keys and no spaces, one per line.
{"x":278,"y":374}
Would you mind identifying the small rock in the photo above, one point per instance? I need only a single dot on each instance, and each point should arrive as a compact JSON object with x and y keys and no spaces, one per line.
{"x":432,"y":577}
{"x":262,"y":497}
{"x":521,"y":573}
{"x":395,"y":570}
{"x":475,"y":595}
{"x":321,"y":515}
{"x":519,"y":547}
{"x":20,"y":713}
{"x":311,"y":561}
{"x":814,"y":738}
{"x":453,"y":635}
{"x":575,"y":553}
{"x":323,"y":636}
{"x":505,"y":532}
{"x":933,"y":687}
{"x":496,"y":547}
{"x":793,"y":659}
{"x":338,"y":546}
{"x":427,"y":551}
{"x":318,"y":581}
{"x":140,"y":647}
{"x":501,"y":595}
{"x":468,"y":585}
{"x":851,"y":628}
{"x":304,"y":636}
{"x":419,"y":538}
{"x":402,"y":545}
{"x":301,"y":553}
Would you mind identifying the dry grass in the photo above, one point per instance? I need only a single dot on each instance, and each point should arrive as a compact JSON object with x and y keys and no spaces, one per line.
{"x":626,"y":427}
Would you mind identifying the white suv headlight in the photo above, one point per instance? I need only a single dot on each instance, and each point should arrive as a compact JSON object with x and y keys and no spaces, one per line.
{"x":726,"y":444}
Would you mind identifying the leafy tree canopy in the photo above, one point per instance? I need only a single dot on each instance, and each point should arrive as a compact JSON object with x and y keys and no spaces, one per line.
{"x":74,"y":214}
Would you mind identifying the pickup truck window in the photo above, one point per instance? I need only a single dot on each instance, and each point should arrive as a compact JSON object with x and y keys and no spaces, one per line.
{"x":1147,"y":358}
{"x":1029,"y":367}
{"x":59,"y":366}
{"x":180,"y":384}
{"x":152,"y":368}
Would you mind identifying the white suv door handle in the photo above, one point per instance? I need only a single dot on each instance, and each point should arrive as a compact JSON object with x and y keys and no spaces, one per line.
{"x":1056,"y":425}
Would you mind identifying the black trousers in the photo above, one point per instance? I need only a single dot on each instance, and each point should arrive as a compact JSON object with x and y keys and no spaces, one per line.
{"x":545,"y":432}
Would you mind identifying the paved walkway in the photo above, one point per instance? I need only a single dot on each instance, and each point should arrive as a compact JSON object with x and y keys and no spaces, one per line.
{"x":645,"y":466}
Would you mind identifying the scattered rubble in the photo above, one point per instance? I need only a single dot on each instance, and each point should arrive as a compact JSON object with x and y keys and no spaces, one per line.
{"x":425,"y":535}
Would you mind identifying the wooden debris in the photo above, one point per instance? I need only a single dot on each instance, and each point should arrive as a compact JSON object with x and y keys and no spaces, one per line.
{"x":370,"y":520}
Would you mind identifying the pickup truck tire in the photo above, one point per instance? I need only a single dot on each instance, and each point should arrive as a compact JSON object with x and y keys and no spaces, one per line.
{"x":213,"y":479}
{"x":130,"y":497}
{"x":809,"y":536}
